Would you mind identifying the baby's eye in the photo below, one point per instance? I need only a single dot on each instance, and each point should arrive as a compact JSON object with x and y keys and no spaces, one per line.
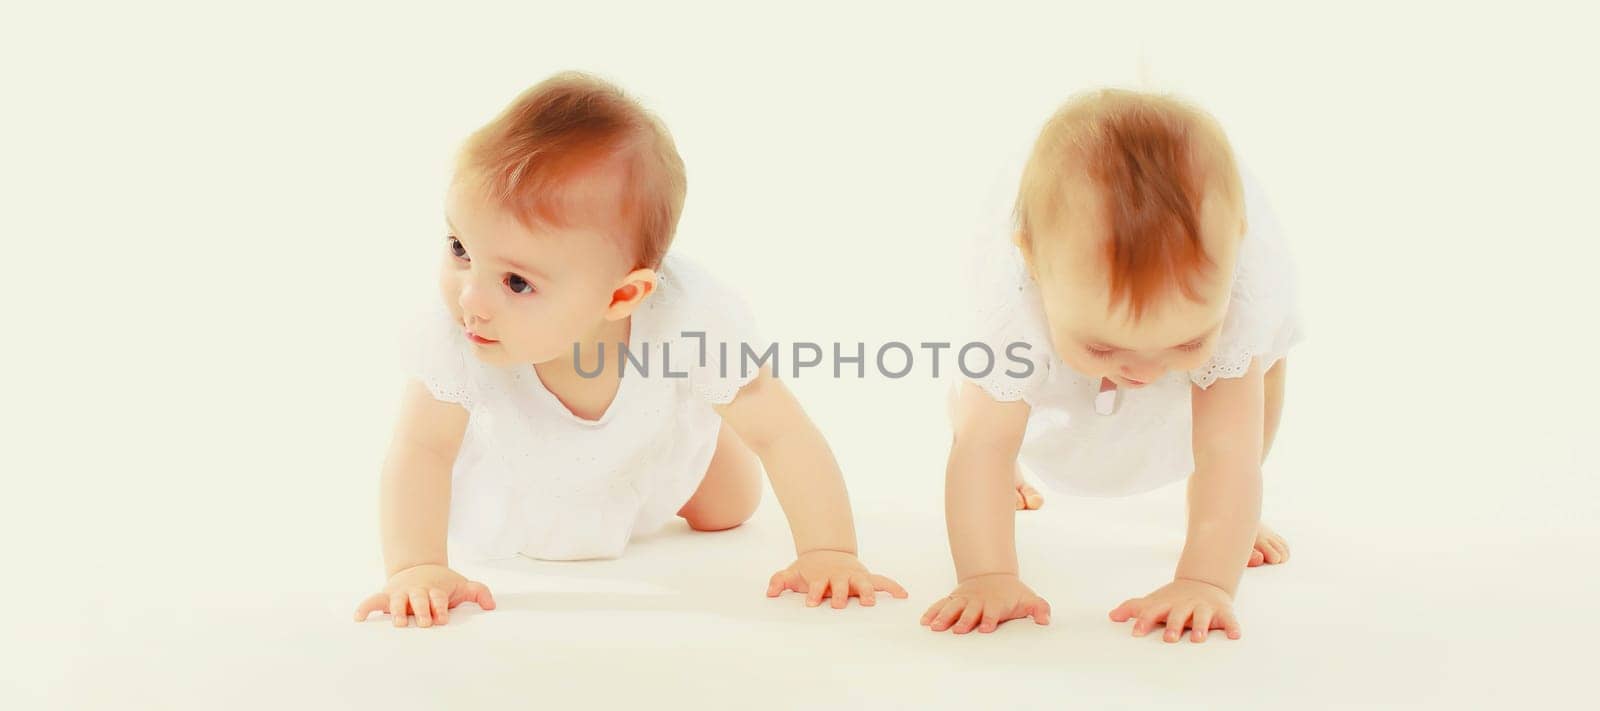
{"x":456,"y":250}
{"x":1192,"y":346}
{"x":518,"y":285}
{"x":1098,"y":352}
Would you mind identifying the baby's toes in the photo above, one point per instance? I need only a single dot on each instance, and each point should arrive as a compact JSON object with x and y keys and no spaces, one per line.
{"x":1270,"y":547}
{"x":1028,"y":498}
{"x":1269,"y":552}
{"x":1283,"y":548}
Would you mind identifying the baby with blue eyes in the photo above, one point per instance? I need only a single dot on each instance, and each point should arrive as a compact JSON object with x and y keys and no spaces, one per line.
{"x":520,"y":433}
{"x":1148,"y":281}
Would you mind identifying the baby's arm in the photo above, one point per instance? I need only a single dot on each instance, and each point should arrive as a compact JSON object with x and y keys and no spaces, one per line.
{"x":1225,"y":495}
{"x":414,"y":496}
{"x":414,"y":512}
{"x":806,"y":478}
{"x":980,"y":504}
{"x":1224,"y":511}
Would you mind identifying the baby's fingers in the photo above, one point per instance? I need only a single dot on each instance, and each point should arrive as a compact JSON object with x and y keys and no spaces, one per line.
{"x":1039,"y":609}
{"x":948,"y":613}
{"x":479,"y":593}
{"x":1149,"y":617}
{"x":373,"y":603}
{"x":993,"y":614}
{"x":839,"y":585}
{"x":777,"y":583}
{"x":934,"y":610}
{"x":1128,"y":609}
{"x":1230,"y":624}
{"x":419,"y":607}
{"x":397,"y":608}
{"x":1176,"y":621}
{"x":1202,"y":624}
{"x":883,"y":583}
{"x":969,"y":617}
{"x":862,"y":587}
{"x":815,"y":589}
{"x":441,"y":605}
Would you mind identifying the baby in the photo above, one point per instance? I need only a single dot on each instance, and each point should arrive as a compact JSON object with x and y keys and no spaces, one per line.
{"x":1146,"y":283}
{"x":517,"y":434}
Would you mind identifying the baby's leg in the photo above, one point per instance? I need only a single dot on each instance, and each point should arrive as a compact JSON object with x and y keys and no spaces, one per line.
{"x":1027,"y":497}
{"x":1273,"y":382}
{"x":728,"y":494}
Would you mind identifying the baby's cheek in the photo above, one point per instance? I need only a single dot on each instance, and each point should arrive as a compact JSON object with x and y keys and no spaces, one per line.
{"x":1190,"y":361}
{"x":541,"y":339}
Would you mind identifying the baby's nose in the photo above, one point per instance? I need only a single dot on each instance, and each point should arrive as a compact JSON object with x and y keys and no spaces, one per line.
{"x":474,"y":303}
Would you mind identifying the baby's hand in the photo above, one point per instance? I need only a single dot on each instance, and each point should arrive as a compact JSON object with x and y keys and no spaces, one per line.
{"x":816,"y":573}
{"x":986,"y":601}
{"x":427,"y":591}
{"x":1181,"y":603}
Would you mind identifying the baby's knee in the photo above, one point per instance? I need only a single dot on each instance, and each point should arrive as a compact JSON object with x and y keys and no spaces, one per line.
{"x":721,"y":515}
{"x":728,"y":494}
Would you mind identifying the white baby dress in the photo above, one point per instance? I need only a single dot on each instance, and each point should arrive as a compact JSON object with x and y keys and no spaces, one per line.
{"x":533,"y":478}
{"x":1145,"y":442}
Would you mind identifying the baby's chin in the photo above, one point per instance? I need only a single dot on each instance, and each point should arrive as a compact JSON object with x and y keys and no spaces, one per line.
{"x":493,"y":354}
{"x":496,"y":354}
{"x":500,"y":356}
{"x":1132,"y":384}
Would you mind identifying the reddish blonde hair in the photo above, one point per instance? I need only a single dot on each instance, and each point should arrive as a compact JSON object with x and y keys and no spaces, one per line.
{"x":1152,"y":160}
{"x":532,"y":158}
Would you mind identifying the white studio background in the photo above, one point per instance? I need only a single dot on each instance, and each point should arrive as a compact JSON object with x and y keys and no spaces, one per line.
{"x":219,"y":216}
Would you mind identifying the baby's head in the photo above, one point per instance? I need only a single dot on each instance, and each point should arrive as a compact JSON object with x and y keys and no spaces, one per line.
{"x":558,"y":215}
{"x":1129,"y":217}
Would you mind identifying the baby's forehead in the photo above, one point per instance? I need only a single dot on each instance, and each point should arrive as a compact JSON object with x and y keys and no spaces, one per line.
{"x":592,"y":191}
{"x":1086,"y":315}
{"x":1085,"y":287}
{"x":1073,"y":273}
{"x":584,"y":233}
{"x":586,"y":201}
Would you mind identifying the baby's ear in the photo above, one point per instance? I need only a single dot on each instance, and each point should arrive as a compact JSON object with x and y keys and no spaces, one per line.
{"x":634,"y":288}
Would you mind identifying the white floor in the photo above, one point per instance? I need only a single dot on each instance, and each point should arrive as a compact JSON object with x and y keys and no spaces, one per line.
{"x":1401,"y":593}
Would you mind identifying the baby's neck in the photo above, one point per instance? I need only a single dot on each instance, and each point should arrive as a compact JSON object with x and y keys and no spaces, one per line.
{"x":584,"y":393}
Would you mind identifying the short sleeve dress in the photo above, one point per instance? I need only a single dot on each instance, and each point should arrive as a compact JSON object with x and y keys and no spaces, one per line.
{"x":533,"y":478}
{"x":1145,"y":442}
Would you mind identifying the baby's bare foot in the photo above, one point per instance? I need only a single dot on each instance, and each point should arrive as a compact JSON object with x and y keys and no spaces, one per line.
{"x":1028,"y":498}
{"x":1270,"y":547}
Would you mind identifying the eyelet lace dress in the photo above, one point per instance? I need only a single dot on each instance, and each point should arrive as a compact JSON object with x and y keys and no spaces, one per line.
{"x":533,"y":478}
{"x":1145,"y":442}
